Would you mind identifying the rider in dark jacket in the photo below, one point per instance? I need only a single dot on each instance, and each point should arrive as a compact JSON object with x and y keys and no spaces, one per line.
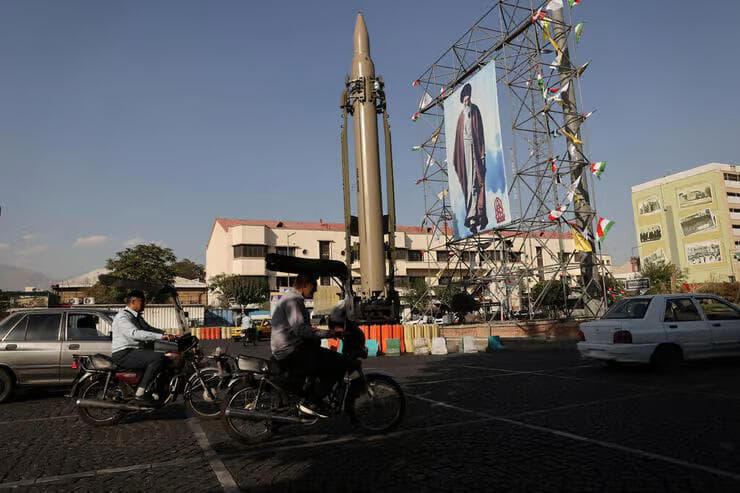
{"x":295,"y":345}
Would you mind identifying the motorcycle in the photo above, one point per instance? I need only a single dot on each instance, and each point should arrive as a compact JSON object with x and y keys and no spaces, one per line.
{"x":104,"y":392}
{"x":262,"y":397}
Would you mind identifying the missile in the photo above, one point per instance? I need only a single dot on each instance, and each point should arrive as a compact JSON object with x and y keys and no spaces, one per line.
{"x":367,"y":162}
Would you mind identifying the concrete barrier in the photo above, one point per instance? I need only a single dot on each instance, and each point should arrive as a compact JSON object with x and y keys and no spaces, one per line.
{"x":439,"y":345}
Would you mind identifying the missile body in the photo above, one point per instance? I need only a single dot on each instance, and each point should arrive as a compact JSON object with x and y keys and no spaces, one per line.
{"x":369,"y":200}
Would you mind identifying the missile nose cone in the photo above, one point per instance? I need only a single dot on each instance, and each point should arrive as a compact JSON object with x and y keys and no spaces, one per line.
{"x":361,"y":38}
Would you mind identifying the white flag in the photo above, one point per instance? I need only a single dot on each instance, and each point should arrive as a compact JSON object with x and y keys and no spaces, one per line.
{"x":426,"y":100}
{"x":554,"y":5}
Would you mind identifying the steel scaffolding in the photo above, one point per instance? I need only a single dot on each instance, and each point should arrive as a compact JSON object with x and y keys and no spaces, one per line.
{"x":517,"y":35}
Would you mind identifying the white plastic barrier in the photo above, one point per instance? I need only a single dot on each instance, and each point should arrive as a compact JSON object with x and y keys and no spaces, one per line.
{"x":421,"y":346}
{"x":439,"y":345}
{"x":468,"y":344}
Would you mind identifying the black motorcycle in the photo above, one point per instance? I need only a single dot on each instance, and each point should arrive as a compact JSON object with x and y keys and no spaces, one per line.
{"x":103,"y":391}
{"x":262,"y":397}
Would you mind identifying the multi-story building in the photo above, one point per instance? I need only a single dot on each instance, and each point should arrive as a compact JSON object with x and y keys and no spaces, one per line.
{"x":691,"y":219}
{"x":239,"y":246}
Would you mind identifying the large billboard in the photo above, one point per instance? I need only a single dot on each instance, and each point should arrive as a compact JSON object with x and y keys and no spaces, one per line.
{"x":475,"y":157}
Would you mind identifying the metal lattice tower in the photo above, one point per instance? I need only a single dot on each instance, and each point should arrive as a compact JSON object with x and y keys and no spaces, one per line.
{"x":547,"y":157}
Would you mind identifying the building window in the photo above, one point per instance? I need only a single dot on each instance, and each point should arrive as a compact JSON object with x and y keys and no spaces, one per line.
{"x":445,"y":280}
{"x":736,"y":226}
{"x":250,"y":251}
{"x":415,"y":256}
{"x":284,"y":281}
{"x":325,"y":280}
{"x":401,"y":282}
{"x":325,"y":250}
{"x":402,"y":254}
{"x":443,"y":255}
{"x":467,"y":257}
{"x":731,"y":177}
{"x":734,"y":210}
{"x":733,"y":194}
{"x":285,"y":251}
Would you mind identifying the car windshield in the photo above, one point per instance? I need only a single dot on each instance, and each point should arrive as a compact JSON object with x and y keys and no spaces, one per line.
{"x":629,"y":308}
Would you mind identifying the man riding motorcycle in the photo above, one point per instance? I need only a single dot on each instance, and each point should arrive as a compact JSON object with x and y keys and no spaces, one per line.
{"x":130,"y":334}
{"x":295,"y":346}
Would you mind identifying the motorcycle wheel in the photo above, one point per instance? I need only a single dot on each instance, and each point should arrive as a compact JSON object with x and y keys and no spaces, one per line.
{"x":380,"y":412}
{"x":102,"y":417}
{"x":249,"y":431}
{"x":197,"y":398}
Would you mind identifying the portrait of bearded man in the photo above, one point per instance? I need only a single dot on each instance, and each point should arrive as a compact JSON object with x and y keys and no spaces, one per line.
{"x":469,"y":161}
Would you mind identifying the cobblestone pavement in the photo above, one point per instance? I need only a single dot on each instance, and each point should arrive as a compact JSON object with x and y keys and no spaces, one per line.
{"x":512,"y":421}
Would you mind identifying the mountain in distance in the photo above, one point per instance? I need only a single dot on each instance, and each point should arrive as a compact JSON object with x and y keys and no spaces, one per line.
{"x":14,"y":278}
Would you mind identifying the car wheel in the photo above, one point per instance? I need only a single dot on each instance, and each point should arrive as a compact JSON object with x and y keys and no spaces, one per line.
{"x":667,"y":358}
{"x":7,"y":386}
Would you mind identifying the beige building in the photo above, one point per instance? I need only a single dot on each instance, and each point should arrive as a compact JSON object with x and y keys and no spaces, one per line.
{"x":239,"y":246}
{"x":692,"y":219}
{"x":74,"y":291}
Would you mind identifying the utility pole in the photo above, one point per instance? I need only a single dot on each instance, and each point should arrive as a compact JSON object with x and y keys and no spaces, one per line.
{"x":572,"y":124}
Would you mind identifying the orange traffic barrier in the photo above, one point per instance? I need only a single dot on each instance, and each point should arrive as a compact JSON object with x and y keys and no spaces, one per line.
{"x":365,"y":331}
{"x":375,"y":332}
{"x":386,"y":332}
{"x":398,"y":334}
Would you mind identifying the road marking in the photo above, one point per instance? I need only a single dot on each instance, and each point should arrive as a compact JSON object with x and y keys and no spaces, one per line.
{"x":350,"y":438}
{"x":97,"y":472}
{"x":590,"y":403}
{"x":31,"y":420}
{"x":602,"y":443}
{"x":219,"y":469}
{"x":481,"y":377}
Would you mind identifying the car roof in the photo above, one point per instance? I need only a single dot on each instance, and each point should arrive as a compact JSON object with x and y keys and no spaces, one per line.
{"x":59,"y":309}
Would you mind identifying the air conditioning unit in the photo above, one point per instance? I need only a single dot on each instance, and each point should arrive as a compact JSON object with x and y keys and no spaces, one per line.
{"x":89,"y":301}
{"x":74,"y":301}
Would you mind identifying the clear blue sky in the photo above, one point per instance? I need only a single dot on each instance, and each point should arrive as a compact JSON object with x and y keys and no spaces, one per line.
{"x":148,"y":119}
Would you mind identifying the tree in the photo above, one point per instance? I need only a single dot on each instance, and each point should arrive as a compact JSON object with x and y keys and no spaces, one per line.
{"x":463,"y":303}
{"x":553,"y":294}
{"x":445,"y":293}
{"x":148,"y":263}
{"x":665,"y":277}
{"x":105,"y":294}
{"x":417,"y":294}
{"x":240,"y":290}
{"x":189,"y":270}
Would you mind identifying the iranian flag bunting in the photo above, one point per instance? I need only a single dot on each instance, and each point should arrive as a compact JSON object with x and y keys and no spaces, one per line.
{"x":603,"y":227}
{"x":598,"y":168}
{"x":573,"y":3}
{"x":579,"y":32}
{"x":416,"y":83}
{"x":415,"y":116}
{"x":556,"y":213}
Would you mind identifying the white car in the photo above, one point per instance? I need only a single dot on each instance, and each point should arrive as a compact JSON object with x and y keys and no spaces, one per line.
{"x":663,"y":330}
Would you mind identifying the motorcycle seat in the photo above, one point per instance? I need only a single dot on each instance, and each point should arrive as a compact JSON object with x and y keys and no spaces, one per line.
{"x":254,"y":364}
{"x":103,"y":362}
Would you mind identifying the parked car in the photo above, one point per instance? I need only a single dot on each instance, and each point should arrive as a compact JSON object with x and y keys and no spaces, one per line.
{"x":663,"y":330}
{"x":36,"y":345}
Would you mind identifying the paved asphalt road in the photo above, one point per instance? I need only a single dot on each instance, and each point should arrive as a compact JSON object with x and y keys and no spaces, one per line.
{"x":509,"y":421}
